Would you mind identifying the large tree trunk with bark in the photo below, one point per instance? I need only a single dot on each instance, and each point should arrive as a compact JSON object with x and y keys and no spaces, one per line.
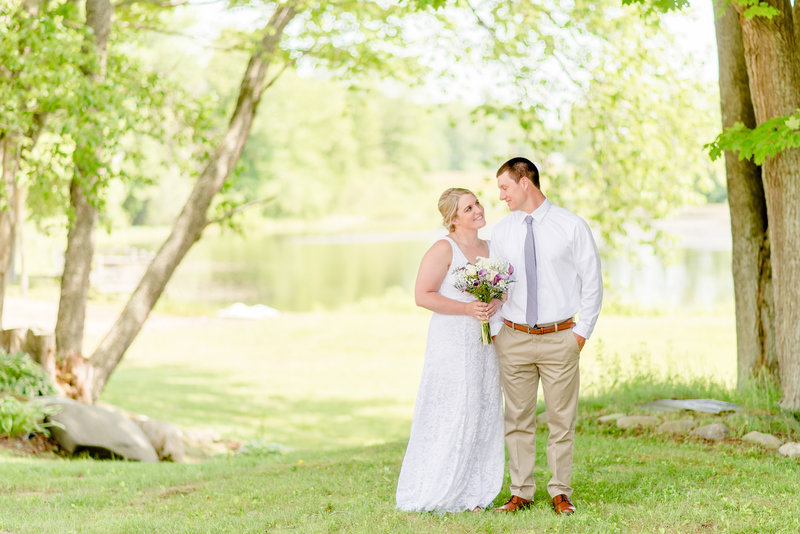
{"x":80,"y":239}
{"x":774,"y":73}
{"x":752,"y":274}
{"x":193,"y":218}
{"x":77,"y":268}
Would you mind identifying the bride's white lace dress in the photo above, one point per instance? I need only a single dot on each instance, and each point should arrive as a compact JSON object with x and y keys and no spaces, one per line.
{"x":455,"y":458}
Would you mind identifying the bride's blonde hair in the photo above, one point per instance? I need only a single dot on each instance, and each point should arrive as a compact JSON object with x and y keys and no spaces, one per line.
{"x":448,"y":205}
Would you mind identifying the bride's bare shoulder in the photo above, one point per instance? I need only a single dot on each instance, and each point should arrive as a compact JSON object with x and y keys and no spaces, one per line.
{"x":441,"y":247}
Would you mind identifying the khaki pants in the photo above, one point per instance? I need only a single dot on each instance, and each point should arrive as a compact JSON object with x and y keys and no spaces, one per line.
{"x":524,"y":360}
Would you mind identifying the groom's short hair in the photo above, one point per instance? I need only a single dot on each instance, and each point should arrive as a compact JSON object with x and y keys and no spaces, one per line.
{"x":519,"y":168}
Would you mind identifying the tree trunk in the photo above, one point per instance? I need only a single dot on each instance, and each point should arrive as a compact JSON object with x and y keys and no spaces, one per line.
{"x":80,"y":239}
{"x":193,"y":218}
{"x":19,"y":215}
{"x":77,"y":268}
{"x":774,"y":73}
{"x":752,"y":275}
{"x":8,"y":199}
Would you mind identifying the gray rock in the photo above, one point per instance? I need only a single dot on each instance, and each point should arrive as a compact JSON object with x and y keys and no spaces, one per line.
{"x":714,"y":432}
{"x":92,"y":428}
{"x":676,"y":427}
{"x":695,"y":405}
{"x":608,"y":419}
{"x":791,"y":449}
{"x":768,"y":441}
{"x":633,"y":421}
{"x":201,"y":435}
{"x":165,"y":438}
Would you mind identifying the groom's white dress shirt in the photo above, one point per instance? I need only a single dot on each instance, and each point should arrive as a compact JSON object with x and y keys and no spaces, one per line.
{"x":567,"y":265}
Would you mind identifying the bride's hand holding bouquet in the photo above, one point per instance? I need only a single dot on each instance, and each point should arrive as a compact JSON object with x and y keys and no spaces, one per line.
{"x":486,"y":279}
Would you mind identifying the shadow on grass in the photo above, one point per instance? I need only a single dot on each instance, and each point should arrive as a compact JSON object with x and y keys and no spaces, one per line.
{"x":201,"y":399}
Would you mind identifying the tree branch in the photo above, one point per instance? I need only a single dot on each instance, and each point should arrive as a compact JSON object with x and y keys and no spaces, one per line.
{"x":160,"y":3}
{"x":510,"y":60}
{"x":238,"y":209}
{"x":175,"y":33}
{"x":274,"y":79}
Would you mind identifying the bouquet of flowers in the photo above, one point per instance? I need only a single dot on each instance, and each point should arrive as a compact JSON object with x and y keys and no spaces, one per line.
{"x":487,"y":279}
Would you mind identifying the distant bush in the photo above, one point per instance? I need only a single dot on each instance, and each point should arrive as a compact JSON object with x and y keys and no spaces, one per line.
{"x":21,"y":375}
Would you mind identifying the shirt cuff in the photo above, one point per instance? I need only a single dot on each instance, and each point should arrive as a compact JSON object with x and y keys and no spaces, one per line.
{"x":495,"y":324}
{"x":584,"y":330}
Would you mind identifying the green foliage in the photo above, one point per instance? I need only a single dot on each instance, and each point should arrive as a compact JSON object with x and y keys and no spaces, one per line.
{"x":607,"y":122}
{"x":659,"y":5}
{"x":19,"y":418}
{"x":763,"y":141}
{"x":42,"y":62}
{"x":21,"y":375}
{"x":423,"y":4}
{"x":72,"y":125}
{"x":756,"y":8}
{"x":317,"y":144}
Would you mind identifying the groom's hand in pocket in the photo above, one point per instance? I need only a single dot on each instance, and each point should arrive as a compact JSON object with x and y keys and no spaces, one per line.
{"x":580,"y":339}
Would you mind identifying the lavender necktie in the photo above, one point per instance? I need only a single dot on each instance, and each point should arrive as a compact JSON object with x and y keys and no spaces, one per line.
{"x":532,"y":309}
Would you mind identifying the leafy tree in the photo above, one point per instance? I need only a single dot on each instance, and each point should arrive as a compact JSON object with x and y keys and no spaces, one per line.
{"x":347,"y":37}
{"x":40,"y":62}
{"x":601,"y":103}
{"x":73,"y":109}
{"x":760,"y":97}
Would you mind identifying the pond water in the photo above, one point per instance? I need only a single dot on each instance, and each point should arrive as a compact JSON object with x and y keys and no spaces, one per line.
{"x":303,"y":273}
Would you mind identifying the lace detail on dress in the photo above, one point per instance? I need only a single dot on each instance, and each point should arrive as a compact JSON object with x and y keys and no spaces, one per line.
{"x":455,"y":457}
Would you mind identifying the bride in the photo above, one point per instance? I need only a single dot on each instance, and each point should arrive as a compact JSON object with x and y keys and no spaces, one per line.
{"x":455,"y":456}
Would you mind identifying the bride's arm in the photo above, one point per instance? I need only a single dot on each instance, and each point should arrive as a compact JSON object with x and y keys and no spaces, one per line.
{"x":432,"y":270}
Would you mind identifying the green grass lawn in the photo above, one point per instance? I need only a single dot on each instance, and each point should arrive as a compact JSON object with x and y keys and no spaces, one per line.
{"x":337,"y":390}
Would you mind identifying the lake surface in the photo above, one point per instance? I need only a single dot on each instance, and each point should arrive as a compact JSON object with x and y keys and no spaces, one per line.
{"x":308,"y":272}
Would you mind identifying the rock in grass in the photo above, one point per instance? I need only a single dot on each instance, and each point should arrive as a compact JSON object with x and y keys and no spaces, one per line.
{"x":695,"y":405}
{"x":684,"y":426}
{"x":94,"y":429}
{"x":165,"y":438}
{"x":791,"y":449}
{"x":608,"y":419}
{"x":634,"y":421}
{"x":768,"y":441}
{"x":715,"y":432}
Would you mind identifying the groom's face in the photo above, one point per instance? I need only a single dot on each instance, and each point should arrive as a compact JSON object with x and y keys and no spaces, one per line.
{"x":511,"y":192}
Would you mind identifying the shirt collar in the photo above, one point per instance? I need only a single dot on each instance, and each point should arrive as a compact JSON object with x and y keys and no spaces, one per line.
{"x":538,"y":214}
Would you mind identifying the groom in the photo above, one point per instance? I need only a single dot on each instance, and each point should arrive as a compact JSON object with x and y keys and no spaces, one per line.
{"x":536,"y":336}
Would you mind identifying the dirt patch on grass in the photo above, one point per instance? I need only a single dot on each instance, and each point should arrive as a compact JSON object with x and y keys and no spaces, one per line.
{"x":185,"y":489}
{"x":37,"y":445}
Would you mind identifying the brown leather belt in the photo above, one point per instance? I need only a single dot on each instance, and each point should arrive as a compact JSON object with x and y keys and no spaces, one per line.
{"x":563,"y":325}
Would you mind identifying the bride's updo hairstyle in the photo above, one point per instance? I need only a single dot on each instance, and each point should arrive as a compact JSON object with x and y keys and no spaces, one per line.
{"x":448,"y":205}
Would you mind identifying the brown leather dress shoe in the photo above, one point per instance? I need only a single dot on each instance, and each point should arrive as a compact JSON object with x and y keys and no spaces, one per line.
{"x":562,"y":505}
{"x":513,"y":504}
